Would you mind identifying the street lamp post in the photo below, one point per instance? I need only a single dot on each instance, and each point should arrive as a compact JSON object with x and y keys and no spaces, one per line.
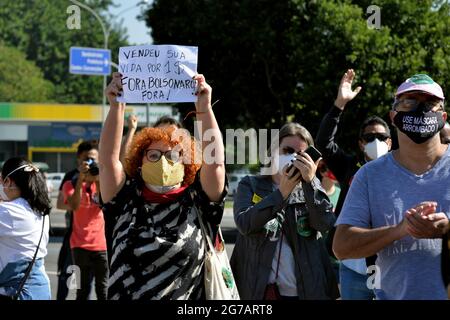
{"x":105,"y":45}
{"x":106,"y":33}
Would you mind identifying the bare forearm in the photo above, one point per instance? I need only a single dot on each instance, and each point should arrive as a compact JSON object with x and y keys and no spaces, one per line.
{"x":353,"y":242}
{"x":340,"y":103}
{"x":126,"y":144}
{"x":209,"y":130}
{"x":75,"y":199}
{"x":111,"y":136}
{"x":213,"y":166}
{"x":60,"y":202}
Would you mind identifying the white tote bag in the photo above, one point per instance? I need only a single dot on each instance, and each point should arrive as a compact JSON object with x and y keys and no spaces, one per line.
{"x":219,"y":279}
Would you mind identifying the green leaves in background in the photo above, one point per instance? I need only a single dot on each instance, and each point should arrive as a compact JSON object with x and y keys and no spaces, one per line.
{"x":39,"y":30}
{"x":273,"y":61}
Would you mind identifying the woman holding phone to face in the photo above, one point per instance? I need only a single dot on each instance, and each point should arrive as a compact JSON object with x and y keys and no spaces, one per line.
{"x":280,"y":215}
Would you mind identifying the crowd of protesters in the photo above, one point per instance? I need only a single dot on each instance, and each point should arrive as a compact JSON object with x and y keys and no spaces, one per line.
{"x":359,"y":224}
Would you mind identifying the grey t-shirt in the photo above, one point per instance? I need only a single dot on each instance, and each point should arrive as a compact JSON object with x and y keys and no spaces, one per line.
{"x":381,"y":191}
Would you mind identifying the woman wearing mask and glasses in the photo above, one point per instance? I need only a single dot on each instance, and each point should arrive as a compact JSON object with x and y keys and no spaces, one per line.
{"x":280,"y":215}
{"x":158,"y":247}
{"x":23,"y":231}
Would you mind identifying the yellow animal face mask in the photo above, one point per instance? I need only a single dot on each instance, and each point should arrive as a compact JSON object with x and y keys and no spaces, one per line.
{"x":163,"y":172}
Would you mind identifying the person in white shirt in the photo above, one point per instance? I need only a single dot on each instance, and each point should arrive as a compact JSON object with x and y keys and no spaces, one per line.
{"x":23,"y":231}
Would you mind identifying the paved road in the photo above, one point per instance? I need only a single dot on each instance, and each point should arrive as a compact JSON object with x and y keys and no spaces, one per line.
{"x":58,"y":223}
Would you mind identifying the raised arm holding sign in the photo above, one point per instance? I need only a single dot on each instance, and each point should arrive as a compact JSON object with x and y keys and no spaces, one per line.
{"x":158,"y":73}
{"x":164,"y":176}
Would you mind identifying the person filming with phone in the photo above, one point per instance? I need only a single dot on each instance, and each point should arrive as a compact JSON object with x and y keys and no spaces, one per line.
{"x":88,"y":241}
{"x":280,"y":215}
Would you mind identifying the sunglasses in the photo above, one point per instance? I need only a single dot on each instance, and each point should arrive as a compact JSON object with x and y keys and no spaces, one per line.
{"x":153,"y":155}
{"x":412,"y":104}
{"x":369,"y":137}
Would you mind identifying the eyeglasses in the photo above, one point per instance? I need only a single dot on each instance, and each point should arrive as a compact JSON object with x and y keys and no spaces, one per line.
{"x":153,"y":155}
{"x":412,"y":104}
{"x":371,"y":136}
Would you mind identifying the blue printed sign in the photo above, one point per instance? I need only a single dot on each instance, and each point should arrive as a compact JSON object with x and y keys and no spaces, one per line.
{"x":62,"y":134}
{"x":90,"y":61}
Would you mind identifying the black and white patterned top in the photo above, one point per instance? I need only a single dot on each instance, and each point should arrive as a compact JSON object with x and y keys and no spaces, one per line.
{"x":158,"y":249}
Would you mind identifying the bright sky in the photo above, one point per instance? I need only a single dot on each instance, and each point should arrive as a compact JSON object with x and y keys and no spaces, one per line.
{"x":138,"y":32}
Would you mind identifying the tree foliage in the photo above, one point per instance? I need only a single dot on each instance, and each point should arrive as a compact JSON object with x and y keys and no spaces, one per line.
{"x":21,"y":80}
{"x":272,"y":61}
{"x":39,"y":29}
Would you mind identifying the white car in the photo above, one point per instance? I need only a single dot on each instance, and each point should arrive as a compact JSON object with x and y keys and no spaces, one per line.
{"x":54,"y":179}
{"x":233,"y":181}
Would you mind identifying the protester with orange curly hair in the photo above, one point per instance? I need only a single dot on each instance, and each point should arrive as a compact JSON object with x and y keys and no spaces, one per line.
{"x":158,"y":247}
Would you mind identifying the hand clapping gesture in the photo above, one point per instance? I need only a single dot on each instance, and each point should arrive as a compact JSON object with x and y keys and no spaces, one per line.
{"x":423,"y":222}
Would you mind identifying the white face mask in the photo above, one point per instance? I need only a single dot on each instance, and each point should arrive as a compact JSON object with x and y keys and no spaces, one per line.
{"x":283,"y":160}
{"x":376,"y":149}
{"x":3,"y":195}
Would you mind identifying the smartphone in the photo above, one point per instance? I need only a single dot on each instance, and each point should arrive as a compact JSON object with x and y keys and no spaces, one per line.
{"x":313,"y":153}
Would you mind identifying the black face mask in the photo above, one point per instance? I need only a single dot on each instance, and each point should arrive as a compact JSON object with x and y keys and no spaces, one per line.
{"x":419,"y":125}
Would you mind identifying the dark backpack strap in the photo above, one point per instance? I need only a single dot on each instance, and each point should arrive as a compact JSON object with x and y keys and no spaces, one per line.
{"x":279,"y":255}
{"x":30,"y":266}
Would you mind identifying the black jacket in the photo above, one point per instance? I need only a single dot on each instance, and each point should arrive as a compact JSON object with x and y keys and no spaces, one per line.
{"x":343,"y":165}
{"x":255,"y":205}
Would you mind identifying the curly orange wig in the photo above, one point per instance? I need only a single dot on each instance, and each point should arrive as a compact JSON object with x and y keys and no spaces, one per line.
{"x":175,"y":138}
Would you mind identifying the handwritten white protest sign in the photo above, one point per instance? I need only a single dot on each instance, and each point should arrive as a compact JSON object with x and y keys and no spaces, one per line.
{"x":158,"y":73}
